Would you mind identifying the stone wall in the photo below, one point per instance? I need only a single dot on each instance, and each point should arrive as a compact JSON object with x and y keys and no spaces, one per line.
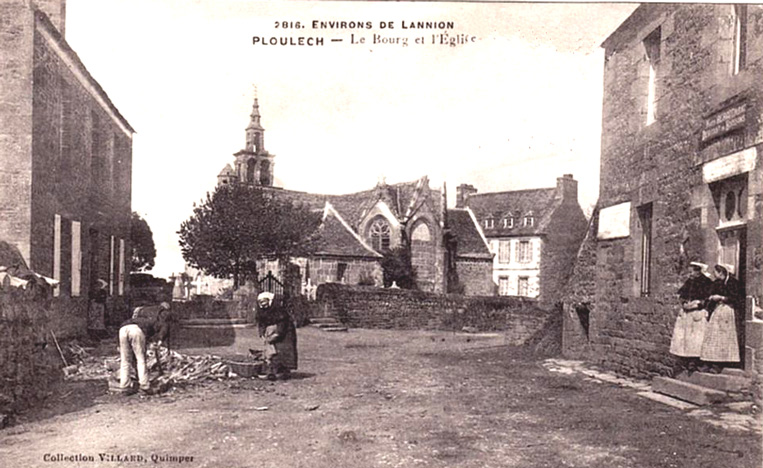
{"x":64,"y":156}
{"x":476,"y":276}
{"x":16,"y":42}
{"x":657,"y":167}
{"x":518,"y":319}
{"x":564,"y":233}
{"x":29,"y":359}
{"x":206,"y":307}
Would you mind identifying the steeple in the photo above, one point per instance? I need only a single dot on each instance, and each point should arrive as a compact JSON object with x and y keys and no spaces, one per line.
{"x":255,"y":134}
{"x":254,"y":165}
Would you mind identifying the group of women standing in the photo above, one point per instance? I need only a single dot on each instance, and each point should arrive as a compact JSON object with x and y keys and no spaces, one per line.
{"x":705,"y":335}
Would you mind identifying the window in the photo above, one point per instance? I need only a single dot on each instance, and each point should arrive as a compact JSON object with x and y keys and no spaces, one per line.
{"x":97,"y":150}
{"x":652,"y":48}
{"x":645,"y":222}
{"x":508,"y":222}
{"x":524,"y":252}
{"x":731,"y":201}
{"x":341,"y":269}
{"x":523,"y":286}
{"x":488,"y":223}
{"x":529,"y":221}
{"x":504,"y":251}
{"x":503,"y":286}
{"x":379,"y":233}
{"x":740,"y":38}
{"x":67,"y":123}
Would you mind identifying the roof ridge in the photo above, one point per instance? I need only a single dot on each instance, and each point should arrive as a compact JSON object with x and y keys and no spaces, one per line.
{"x":513,"y":191}
{"x":329,"y":209}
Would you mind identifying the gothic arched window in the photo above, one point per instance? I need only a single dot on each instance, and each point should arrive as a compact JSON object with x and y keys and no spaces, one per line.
{"x":379,"y":234}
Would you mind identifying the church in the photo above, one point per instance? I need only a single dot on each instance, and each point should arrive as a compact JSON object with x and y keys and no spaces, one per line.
{"x":446,"y":245}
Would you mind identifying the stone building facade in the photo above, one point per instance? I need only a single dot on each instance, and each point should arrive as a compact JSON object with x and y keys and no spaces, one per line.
{"x":681,"y":180}
{"x":446,"y":247}
{"x":65,"y":159}
{"x":533,"y":234}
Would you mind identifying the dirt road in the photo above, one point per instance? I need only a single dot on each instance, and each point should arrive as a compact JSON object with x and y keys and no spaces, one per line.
{"x":380,"y":399}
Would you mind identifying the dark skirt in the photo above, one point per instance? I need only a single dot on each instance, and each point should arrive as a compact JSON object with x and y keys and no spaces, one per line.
{"x":283,"y":353}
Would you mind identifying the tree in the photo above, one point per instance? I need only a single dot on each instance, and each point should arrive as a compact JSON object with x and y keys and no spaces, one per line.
{"x":142,"y":242}
{"x":238,"y":224}
{"x":397,"y":268}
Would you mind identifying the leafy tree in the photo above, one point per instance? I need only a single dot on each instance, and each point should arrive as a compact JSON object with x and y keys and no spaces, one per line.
{"x":142,"y":242}
{"x":238,"y":224}
{"x":397,"y":268}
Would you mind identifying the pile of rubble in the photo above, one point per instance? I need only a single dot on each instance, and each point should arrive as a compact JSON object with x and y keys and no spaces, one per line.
{"x":167,"y":369}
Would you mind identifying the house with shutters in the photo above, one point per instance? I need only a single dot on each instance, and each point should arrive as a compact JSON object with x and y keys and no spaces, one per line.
{"x":533,"y":234}
{"x":446,"y":247}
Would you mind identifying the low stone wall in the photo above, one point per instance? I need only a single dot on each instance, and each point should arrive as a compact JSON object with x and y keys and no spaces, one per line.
{"x":368,"y":307}
{"x":29,"y":360}
{"x":207,"y":307}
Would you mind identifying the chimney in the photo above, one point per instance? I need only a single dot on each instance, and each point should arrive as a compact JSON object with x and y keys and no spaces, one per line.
{"x":463,"y":192}
{"x":567,"y":188}
{"x":55,"y":10}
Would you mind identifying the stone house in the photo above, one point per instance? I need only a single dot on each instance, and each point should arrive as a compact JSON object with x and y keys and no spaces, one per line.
{"x":681,"y":181}
{"x":445,"y":246}
{"x":65,"y":161}
{"x":534,"y":236}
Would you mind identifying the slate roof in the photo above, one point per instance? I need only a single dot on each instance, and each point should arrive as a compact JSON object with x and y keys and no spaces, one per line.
{"x":227,"y":170}
{"x":336,"y":238}
{"x":540,"y":203}
{"x":470,"y":242}
{"x":353,"y":206}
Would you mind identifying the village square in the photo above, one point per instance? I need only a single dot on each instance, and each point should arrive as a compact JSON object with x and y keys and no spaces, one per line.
{"x":435,"y":321}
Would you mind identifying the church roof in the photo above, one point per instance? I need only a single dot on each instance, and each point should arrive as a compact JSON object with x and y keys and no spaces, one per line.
{"x":336,"y":237}
{"x":470,"y":242}
{"x":227,"y":171}
{"x":400,"y":198}
{"x":538,"y":203}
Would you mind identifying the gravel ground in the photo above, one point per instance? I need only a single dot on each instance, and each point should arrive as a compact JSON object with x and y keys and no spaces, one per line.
{"x":376,"y":398}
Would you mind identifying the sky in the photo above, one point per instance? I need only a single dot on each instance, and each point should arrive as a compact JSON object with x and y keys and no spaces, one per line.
{"x":513,"y":105}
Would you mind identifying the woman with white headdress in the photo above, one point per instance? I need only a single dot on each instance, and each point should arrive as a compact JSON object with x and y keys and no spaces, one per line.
{"x":721,"y":344}
{"x":689,"y":329}
{"x":279,"y":335}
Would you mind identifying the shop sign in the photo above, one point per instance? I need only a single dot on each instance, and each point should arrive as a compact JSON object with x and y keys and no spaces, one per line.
{"x":725,"y":121}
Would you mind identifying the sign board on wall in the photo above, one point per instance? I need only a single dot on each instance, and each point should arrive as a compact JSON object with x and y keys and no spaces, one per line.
{"x":725,"y":121}
{"x":615,"y":221}
{"x":729,"y":166}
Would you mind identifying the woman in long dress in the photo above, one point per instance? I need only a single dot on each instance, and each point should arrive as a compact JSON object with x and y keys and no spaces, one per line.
{"x":721,"y":345}
{"x":279,"y":335}
{"x":689,"y":329}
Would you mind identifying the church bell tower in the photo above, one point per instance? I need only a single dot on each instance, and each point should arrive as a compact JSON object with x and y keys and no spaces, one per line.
{"x":254,"y":165}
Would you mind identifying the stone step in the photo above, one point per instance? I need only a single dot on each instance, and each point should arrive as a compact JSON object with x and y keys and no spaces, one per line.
{"x":317,"y":320}
{"x":327,"y":324}
{"x":215,"y":323}
{"x":725,"y":382}
{"x":735,"y":372}
{"x":335,"y":329}
{"x":687,"y":391}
